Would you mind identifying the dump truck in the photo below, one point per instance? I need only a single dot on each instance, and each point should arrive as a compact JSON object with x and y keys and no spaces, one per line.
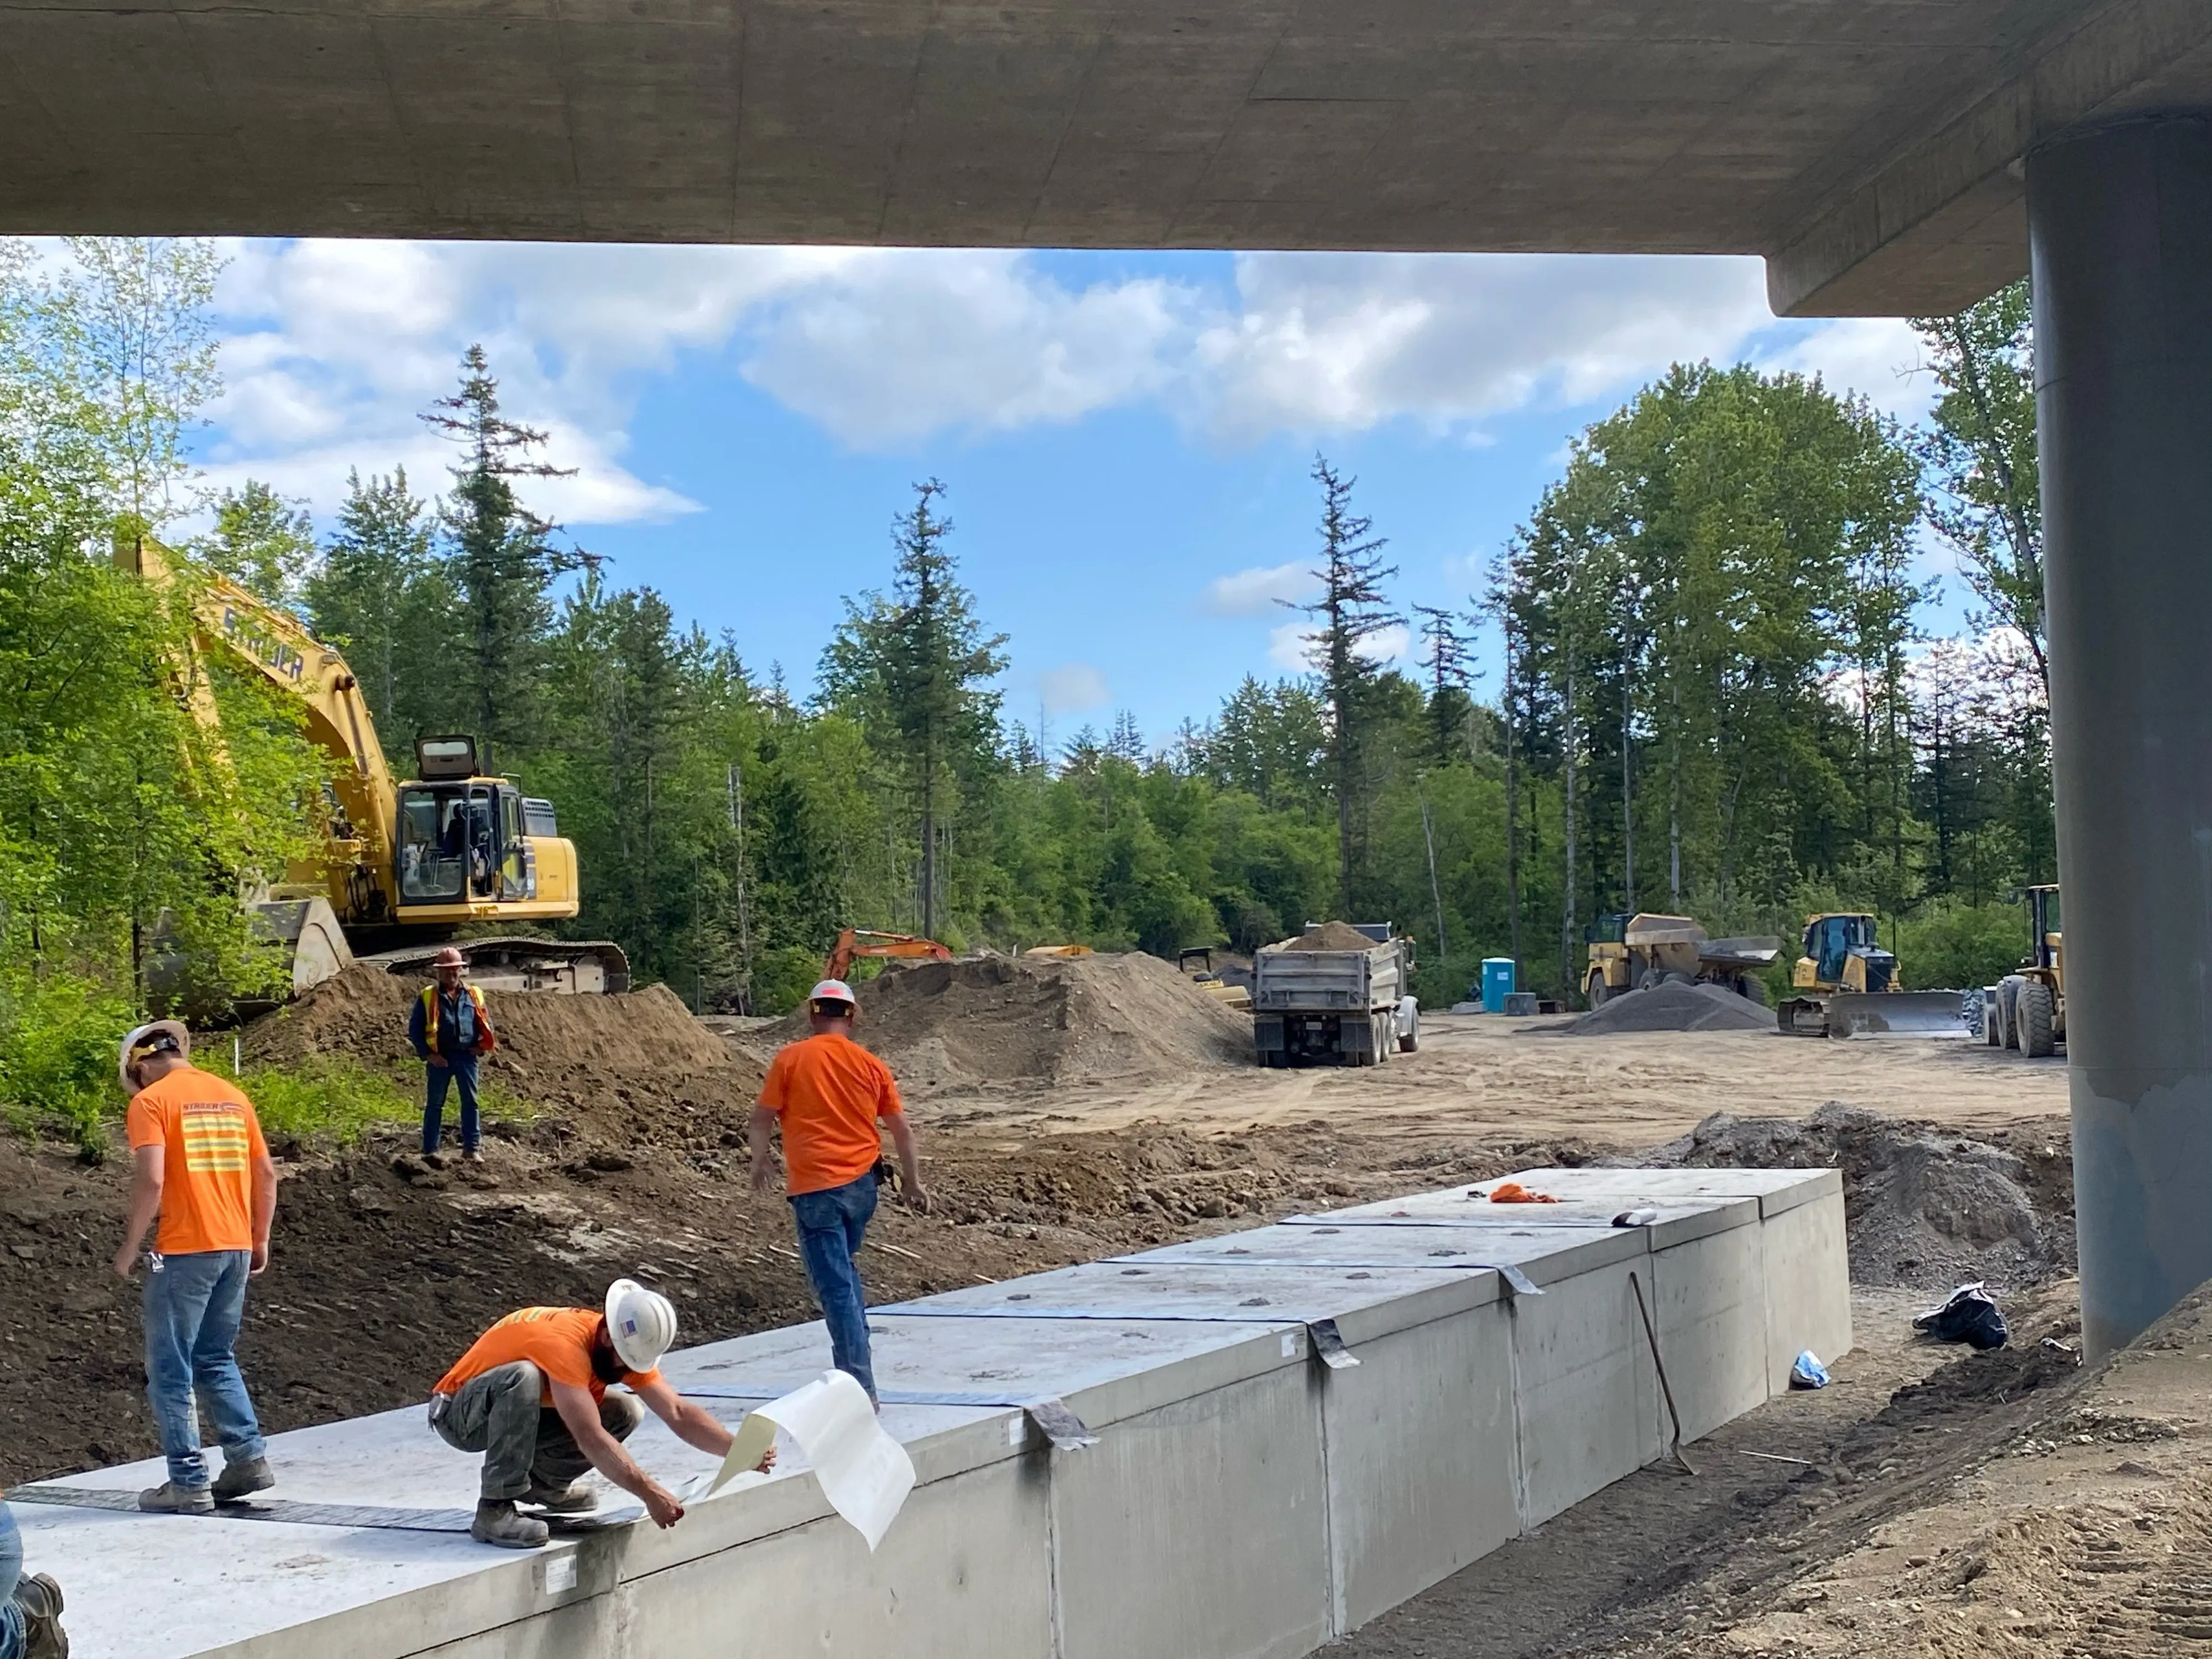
{"x":407,"y":866}
{"x":1635,"y":952}
{"x":1846,"y":985}
{"x":2027,"y":1010}
{"x":1345,"y":1005}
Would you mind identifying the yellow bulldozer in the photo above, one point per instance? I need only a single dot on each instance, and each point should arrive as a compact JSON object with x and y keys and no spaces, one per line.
{"x":408,"y":866}
{"x":1633,"y":953}
{"x":1846,"y":985}
{"x":2027,"y":1010}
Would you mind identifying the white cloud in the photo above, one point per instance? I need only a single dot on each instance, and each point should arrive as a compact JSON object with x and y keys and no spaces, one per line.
{"x":332,"y":349}
{"x":1386,"y":645}
{"x":1347,"y":341}
{"x":1879,"y":356}
{"x":900,"y":345}
{"x":1289,"y":647}
{"x":1259,"y":592}
{"x":1072,"y":687}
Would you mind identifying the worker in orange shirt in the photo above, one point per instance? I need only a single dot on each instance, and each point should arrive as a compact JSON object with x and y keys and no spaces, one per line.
{"x":530,"y":1395}
{"x":829,"y":1093}
{"x":199,"y":1163}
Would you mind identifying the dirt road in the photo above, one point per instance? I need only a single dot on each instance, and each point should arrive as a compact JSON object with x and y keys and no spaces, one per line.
{"x":1480,"y":1077}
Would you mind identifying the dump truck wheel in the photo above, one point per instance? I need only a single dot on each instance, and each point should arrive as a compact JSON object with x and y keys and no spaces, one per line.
{"x":2034,"y":1011}
{"x":1752,"y":990}
{"x":1597,"y":992}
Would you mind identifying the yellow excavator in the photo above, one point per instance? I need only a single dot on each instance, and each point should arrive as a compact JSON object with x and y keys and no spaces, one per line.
{"x":1846,"y":984}
{"x":407,"y":864}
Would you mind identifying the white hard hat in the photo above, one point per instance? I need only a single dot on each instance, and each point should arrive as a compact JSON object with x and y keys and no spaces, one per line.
{"x":155,"y":1037}
{"x":833,"y":990}
{"x":642,"y":1323}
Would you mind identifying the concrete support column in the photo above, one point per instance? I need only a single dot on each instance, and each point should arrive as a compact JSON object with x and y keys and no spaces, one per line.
{"x":2120,"y":228}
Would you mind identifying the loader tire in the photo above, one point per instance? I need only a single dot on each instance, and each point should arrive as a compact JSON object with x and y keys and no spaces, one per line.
{"x":2032,"y":1015}
{"x":1993,"y":1021}
{"x":2008,"y":990}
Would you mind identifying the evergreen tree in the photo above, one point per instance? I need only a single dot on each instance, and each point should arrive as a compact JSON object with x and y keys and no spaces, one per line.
{"x":1351,"y":611}
{"x":382,"y":594}
{"x":262,"y":541}
{"x":1450,"y":671}
{"x":503,"y":561}
{"x":915,"y":666}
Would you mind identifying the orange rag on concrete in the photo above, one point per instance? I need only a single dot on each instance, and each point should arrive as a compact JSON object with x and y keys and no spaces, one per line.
{"x":1512,"y":1191}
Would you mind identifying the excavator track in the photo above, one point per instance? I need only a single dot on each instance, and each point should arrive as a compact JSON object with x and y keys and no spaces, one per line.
{"x":577,"y":967}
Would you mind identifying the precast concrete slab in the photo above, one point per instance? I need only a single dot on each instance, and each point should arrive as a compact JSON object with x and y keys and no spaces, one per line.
{"x":1240,"y":1498}
{"x":1543,"y":1255}
{"x":1419,"y":1440}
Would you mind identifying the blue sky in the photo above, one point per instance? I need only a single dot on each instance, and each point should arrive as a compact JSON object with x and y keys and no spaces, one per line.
{"x":1125,"y":438}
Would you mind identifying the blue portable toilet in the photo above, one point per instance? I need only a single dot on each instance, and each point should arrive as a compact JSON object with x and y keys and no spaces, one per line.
{"x":1497,"y":983}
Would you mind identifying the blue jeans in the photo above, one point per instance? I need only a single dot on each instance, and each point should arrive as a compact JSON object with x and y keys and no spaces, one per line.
{"x":830,"y":1226}
{"x":11,"y":1568}
{"x":193,"y":1306}
{"x":460,"y":1069}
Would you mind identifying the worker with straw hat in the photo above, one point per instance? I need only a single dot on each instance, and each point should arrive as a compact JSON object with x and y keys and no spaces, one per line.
{"x":198,"y":1163}
{"x":530,"y":1395}
{"x":449,"y":1029}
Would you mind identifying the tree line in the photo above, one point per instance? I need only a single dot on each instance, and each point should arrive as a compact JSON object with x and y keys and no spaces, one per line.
{"x":1715,"y":695}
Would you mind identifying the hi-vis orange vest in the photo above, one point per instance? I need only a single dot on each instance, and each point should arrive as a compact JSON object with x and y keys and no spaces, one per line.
{"x":486,"y":1039}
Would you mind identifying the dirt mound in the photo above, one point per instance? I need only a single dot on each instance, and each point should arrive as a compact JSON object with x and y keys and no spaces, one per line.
{"x":612,"y":1065}
{"x":1674,"y":1007}
{"x":1038,"y":1019}
{"x":1329,"y":936}
{"x":1924,"y":1208}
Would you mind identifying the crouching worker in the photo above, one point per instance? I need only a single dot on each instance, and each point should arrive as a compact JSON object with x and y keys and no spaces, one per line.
{"x":532,"y":1396}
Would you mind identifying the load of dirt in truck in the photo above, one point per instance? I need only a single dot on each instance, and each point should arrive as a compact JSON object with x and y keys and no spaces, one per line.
{"x":1327,"y":936}
{"x":993,"y":1019}
{"x":609,"y":1065}
{"x":1674,"y":1007}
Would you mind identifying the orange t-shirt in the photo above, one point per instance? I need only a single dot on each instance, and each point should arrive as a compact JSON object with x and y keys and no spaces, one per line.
{"x":210,"y":1139}
{"x":558,"y":1341}
{"x":830,"y":1092}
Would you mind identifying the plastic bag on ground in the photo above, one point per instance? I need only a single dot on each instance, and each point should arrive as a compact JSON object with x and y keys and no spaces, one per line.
{"x":1807,"y":1372}
{"x":1971,"y":1317}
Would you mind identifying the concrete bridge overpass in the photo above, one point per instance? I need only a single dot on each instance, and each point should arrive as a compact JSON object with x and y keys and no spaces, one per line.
{"x":1867,"y":148}
{"x":1886,"y":157}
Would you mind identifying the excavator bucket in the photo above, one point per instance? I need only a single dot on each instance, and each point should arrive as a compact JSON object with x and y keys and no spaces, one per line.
{"x":1888,"y":1014}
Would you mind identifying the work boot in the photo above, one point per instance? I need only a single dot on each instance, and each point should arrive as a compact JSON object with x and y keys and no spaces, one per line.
{"x":240,"y":1476}
{"x":41,"y":1600}
{"x":169,"y":1498}
{"x":497,"y":1522}
{"x":561,"y":1500}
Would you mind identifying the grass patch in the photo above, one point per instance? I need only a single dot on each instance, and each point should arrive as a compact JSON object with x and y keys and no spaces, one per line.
{"x":334,"y":1099}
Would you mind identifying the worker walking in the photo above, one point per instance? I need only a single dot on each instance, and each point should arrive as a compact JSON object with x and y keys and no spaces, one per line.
{"x":30,"y":1607}
{"x":200,"y":1165}
{"x":449,"y":1029}
{"x":830,"y":1093}
{"x":530,"y":1395}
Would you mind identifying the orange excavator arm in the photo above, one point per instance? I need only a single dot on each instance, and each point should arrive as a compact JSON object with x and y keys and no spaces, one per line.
{"x":856,"y":942}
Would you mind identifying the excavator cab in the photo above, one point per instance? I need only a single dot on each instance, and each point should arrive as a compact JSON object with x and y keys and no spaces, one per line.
{"x":464,"y":839}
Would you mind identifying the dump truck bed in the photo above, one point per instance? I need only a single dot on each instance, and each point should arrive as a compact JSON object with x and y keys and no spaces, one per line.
{"x":1329,"y":982}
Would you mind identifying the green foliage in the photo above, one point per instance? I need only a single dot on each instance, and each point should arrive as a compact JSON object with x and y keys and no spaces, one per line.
{"x":261,"y":541}
{"x":58,"y":1037}
{"x":382,"y":593}
{"x":332,"y":1100}
{"x":1953,"y":943}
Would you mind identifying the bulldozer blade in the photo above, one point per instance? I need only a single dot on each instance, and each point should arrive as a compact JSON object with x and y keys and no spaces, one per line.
{"x":1896,"y":1013}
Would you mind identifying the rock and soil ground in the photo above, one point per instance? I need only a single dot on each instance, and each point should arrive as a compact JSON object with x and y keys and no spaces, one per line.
{"x":1929,"y":1501}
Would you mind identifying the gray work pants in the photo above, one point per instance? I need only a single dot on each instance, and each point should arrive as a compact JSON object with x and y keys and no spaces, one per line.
{"x":525,"y":1444}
